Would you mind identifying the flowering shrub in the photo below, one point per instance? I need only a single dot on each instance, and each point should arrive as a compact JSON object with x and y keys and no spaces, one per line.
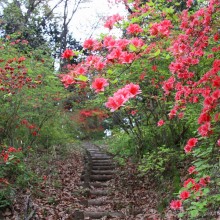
{"x":29,"y":94}
{"x":169,"y":59}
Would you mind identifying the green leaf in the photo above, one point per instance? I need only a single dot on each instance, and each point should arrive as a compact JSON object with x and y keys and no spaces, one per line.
{"x":180,"y":215}
{"x":167,"y":56}
{"x":157,"y":53}
{"x":132,"y":48}
{"x":109,"y":71}
{"x":194,"y":213}
{"x":114,"y":81}
{"x":150,"y":3}
{"x":169,"y":10}
{"x":82,"y":78}
{"x":206,"y":190}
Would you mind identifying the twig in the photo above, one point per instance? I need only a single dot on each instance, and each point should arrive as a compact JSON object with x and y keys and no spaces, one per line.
{"x":27,"y":206}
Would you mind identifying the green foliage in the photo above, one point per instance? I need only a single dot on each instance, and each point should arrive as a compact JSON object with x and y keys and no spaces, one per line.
{"x":122,"y":146}
{"x":158,"y":162}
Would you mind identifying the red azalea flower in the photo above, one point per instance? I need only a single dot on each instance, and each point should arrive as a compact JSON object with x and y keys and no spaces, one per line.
{"x":176,"y":204}
{"x":99,"y":84}
{"x":160,"y":123}
{"x":184,"y":195}
{"x":134,"y":29}
{"x":34,"y":133}
{"x":133,"y":89}
{"x":188,"y":181}
{"x":115,"y":102}
{"x":192,"y":170}
{"x":5,"y":157}
{"x":67,"y":80}
{"x":187,"y":149}
{"x":154,"y":68}
{"x":11,"y":149}
{"x":134,"y":112}
{"x":21,"y":59}
{"x":192,"y":142}
{"x":67,"y":54}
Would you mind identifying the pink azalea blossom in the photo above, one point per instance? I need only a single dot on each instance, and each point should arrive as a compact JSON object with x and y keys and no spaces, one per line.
{"x":114,"y":103}
{"x":162,"y":28}
{"x":99,"y":84}
{"x":115,"y":54}
{"x":124,"y":92}
{"x":67,"y":80}
{"x":160,"y":123}
{"x":192,"y":170}
{"x":127,"y":57}
{"x":190,"y":144}
{"x":134,"y":29}
{"x":122,"y":96}
{"x":176,"y":204}
{"x":133,"y":89}
{"x":89,"y":43}
{"x":112,"y":20}
{"x":205,"y":129}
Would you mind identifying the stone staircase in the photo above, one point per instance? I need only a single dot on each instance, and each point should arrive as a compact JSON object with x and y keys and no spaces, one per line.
{"x":98,"y":170}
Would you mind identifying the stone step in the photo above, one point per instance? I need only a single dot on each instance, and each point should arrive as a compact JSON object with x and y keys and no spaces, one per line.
{"x":99,"y":215}
{"x":81,"y":215}
{"x":99,"y":184}
{"x":103,"y":167}
{"x":101,"y":158}
{"x":100,"y":178}
{"x":103,"y":172}
{"x":97,"y":202}
{"x":97,"y":192}
{"x":101,"y":161}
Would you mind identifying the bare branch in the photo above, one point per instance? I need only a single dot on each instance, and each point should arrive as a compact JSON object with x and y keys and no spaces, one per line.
{"x":74,"y":10}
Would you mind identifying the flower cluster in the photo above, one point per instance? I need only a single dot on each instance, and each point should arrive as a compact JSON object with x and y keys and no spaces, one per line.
{"x":162,"y":28}
{"x":6,"y":152}
{"x":14,"y":75}
{"x":122,"y":96}
{"x":191,"y":186}
{"x":32,"y":127}
{"x":112,"y":20}
{"x":190,"y":144}
{"x":134,"y":29}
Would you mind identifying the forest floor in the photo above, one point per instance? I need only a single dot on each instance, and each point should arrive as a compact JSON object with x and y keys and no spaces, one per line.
{"x":60,"y":193}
